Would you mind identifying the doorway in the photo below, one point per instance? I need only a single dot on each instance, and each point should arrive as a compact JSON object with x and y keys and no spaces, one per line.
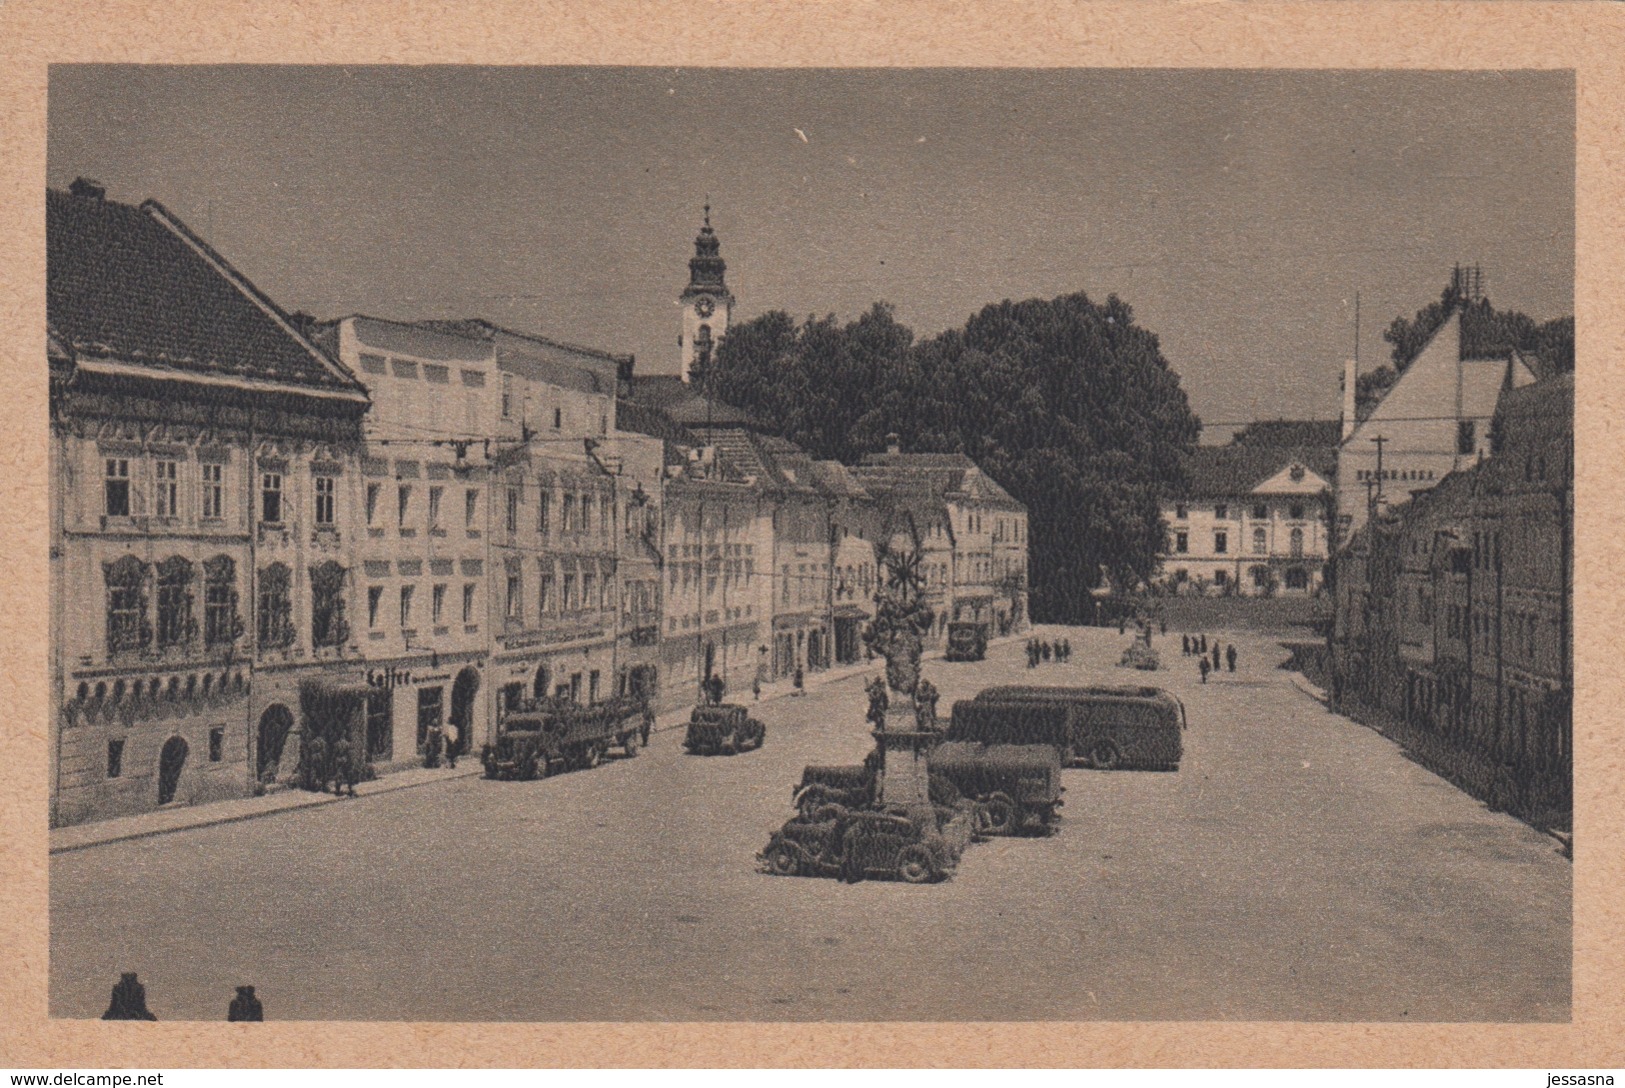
{"x":170,"y":762}
{"x":275,"y":725}
{"x":463,"y":690}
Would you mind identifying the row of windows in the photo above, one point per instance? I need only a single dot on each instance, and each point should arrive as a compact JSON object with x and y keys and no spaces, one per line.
{"x":122,"y":498}
{"x":575,"y":512}
{"x":1221,"y":542}
{"x":129,"y":628}
{"x":1260,"y":511}
{"x":406,"y":507}
{"x":408,"y":604}
{"x":583,"y":591}
{"x":115,"y":751}
{"x":1296,"y":577}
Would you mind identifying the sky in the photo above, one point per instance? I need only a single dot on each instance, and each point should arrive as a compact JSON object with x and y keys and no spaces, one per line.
{"x":1239,"y":213}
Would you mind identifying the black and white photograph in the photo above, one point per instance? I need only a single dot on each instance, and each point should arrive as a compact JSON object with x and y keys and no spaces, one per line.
{"x":822,"y":545}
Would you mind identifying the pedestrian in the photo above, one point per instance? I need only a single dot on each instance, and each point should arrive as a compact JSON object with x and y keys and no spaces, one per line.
{"x":1185,"y":645}
{"x":1202,"y":649}
{"x":129,"y":1000}
{"x":800,"y":682}
{"x":245,"y":1007}
{"x":1230,"y":656}
{"x":342,"y":758}
{"x":431,"y":746}
{"x":1067,"y":644}
{"x":352,"y":772}
{"x":1215,"y":655}
{"x":1162,"y":625}
{"x":453,"y":736}
{"x":316,"y":763}
{"x":756,"y":685}
{"x":1122,"y":624}
{"x":1203,"y":665}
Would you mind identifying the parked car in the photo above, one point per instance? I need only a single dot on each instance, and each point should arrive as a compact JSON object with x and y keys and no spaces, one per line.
{"x":546,"y":736}
{"x":1103,"y":726}
{"x":966,"y":641}
{"x":857,"y":843}
{"x":1016,"y":787}
{"x":856,"y":785}
{"x":726,"y":728}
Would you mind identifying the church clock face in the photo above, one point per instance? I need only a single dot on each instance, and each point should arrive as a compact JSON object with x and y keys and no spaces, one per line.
{"x":705,"y":307}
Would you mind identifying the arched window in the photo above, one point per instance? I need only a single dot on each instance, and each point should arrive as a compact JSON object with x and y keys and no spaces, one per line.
{"x":175,"y":624}
{"x":327,"y":623}
{"x":275,"y":607}
{"x":1297,"y":543}
{"x":126,"y":604}
{"x":221,"y":624}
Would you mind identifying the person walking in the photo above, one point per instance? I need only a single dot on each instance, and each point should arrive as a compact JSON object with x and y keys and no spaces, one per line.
{"x":1203,"y":648}
{"x":453,"y":736}
{"x":800,"y":681}
{"x":1185,"y":645}
{"x":431,"y":746}
{"x":129,"y":1000}
{"x":1203,"y":665}
{"x":1215,"y":655}
{"x":245,"y":1007}
{"x":1230,"y":656}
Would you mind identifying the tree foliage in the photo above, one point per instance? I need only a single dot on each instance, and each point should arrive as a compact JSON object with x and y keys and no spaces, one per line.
{"x":1066,"y":402}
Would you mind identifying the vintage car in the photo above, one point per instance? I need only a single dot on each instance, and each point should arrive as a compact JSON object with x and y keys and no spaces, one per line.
{"x":1103,"y":726}
{"x":966,"y":642}
{"x":858,"y":843}
{"x":856,"y":785}
{"x":725,"y":728}
{"x":546,"y":736}
{"x":1017,"y":787}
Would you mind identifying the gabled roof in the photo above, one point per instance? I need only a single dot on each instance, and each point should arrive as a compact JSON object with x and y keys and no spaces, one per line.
{"x":1229,"y":471}
{"x":688,"y":405}
{"x":133,"y":285}
{"x":946,"y":476}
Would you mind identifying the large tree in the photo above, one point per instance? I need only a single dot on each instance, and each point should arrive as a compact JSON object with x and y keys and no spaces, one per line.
{"x":1065,"y":402}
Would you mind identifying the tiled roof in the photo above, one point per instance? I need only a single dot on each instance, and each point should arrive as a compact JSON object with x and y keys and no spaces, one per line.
{"x":685,"y":404}
{"x":134,"y":285}
{"x":1224,"y":471}
{"x":945,"y":475}
{"x":1290,"y":432}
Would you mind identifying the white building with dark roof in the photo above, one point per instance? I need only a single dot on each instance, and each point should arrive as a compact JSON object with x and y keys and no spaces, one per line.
{"x":1252,"y":520}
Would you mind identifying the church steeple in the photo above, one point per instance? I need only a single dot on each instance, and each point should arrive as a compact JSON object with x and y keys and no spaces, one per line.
{"x":706,"y":301}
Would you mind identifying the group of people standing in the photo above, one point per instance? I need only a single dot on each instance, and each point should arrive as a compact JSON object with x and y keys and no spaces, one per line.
{"x":324,"y":763}
{"x":442,"y":743}
{"x":1196,"y":645}
{"x":1042,"y":650}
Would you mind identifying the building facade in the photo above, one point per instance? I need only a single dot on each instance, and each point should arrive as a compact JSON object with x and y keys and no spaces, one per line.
{"x":1454,"y":611}
{"x":204,"y":460}
{"x":1253,"y":521}
{"x":965,"y":527}
{"x":423,"y":626}
{"x":1434,"y":420}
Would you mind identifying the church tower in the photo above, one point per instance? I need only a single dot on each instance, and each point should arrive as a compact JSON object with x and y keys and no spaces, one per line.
{"x":706,"y":303}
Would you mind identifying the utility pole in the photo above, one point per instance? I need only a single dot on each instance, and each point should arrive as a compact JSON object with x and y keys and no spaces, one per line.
{"x":1379,"y":440}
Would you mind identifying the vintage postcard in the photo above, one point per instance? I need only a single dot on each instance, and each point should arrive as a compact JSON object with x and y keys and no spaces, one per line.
{"x":873,"y":556}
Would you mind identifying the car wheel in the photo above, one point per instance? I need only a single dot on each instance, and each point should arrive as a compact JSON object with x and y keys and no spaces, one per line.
{"x":914,"y":865}
{"x":782,"y":860}
{"x":1103,"y":755}
{"x":995,"y":816}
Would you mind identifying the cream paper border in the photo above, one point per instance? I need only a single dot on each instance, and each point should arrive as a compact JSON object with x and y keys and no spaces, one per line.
{"x":1586,"y":37}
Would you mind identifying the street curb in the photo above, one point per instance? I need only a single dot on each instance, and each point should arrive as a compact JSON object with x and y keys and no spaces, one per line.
{"x":386,"y":784}
{"x":1314,"y":691}
{"x":294,"y":805}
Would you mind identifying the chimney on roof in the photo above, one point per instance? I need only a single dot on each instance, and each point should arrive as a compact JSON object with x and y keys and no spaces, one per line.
{"x":89,"y":188}
{"x":893,"y":444}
